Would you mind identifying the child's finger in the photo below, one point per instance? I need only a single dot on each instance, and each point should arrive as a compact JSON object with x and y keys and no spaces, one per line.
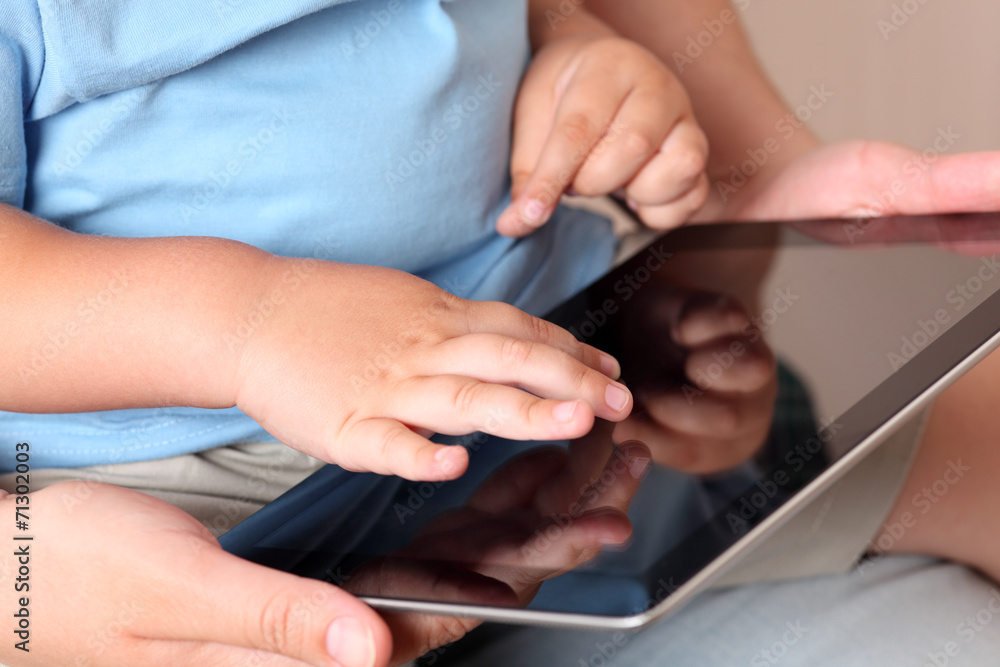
{"x":540,"y":369}
{"x":387,"y":447}
{"x":637,"y":134}
{"x":507,"y":320}
{"x":675,"y":213}
{"x":582,"y":118}
{"x":674,"y":170}
{"x":456,"y":405}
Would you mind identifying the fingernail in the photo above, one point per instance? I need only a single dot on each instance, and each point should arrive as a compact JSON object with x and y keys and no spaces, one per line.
{"x":564,"y":411}
{"x":447,"y":459}
{"x":632,"y":204}
{"x":351,"y":643}
{"x":616,"y":397}
{"x":638,"y":467}
{"x":610,"y":366}
{"x":533,"y":212}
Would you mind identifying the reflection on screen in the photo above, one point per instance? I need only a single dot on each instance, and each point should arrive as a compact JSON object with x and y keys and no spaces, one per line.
{"x":758,"y":355}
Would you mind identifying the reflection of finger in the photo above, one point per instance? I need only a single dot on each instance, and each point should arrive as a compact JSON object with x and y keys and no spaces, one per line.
{"x":586,"y":460}
{"x":731,"y":365}
{"x":516,"y":484}
{"x":708,"y":318}
{"x":687,"y":453}
{"x":535,"y":548}
{"x":619,"y":480}
{"x":411,"y":579}
{"x":711,"y":414}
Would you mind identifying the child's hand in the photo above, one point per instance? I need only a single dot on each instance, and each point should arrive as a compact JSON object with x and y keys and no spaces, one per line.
{"x":122,"y":578}
{"x":357,"y":364}
{"x":600,"y":115}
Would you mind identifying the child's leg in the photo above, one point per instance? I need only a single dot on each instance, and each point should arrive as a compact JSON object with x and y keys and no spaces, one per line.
{"x":948,"y":503}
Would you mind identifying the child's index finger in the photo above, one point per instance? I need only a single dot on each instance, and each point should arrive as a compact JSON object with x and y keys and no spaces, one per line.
{"x":582,"y":118}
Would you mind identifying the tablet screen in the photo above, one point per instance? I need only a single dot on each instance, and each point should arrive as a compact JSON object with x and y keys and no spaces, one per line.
{"x":835,"y":326}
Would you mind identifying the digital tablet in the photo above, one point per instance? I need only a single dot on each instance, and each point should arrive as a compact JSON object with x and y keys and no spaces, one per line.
{"x":864,"y":322}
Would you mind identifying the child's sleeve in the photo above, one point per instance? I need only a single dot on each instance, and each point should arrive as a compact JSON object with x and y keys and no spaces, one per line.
{"x":22,"y":53}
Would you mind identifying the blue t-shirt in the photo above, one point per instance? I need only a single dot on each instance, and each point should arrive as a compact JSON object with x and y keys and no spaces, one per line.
{"x":365,"y":131}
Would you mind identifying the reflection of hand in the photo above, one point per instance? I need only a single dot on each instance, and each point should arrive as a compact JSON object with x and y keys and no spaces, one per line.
{"x":122,"y":578}
{"x":721,"y":414}
{"x":542,"y":514}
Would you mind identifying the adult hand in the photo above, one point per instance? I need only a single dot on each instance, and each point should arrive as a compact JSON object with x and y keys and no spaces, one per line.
{"x":859,"y":179}
{"x":121,"y":578}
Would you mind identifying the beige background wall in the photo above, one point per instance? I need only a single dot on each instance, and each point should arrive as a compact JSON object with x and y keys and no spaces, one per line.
{"x":941,"y":68}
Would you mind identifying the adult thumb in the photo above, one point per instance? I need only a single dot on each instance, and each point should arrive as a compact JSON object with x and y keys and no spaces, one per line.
{"x":236,"y":602}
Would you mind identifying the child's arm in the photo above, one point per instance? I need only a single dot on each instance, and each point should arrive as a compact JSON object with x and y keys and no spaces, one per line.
{"x":598,"y":114}
{"x":350,"y":364}
{"x":93,"y":323}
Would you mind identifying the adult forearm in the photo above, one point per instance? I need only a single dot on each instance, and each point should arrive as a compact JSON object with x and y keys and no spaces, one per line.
{"x":552,"y":19}
{"x":733,"y":99}
{"x":91,"y":323}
